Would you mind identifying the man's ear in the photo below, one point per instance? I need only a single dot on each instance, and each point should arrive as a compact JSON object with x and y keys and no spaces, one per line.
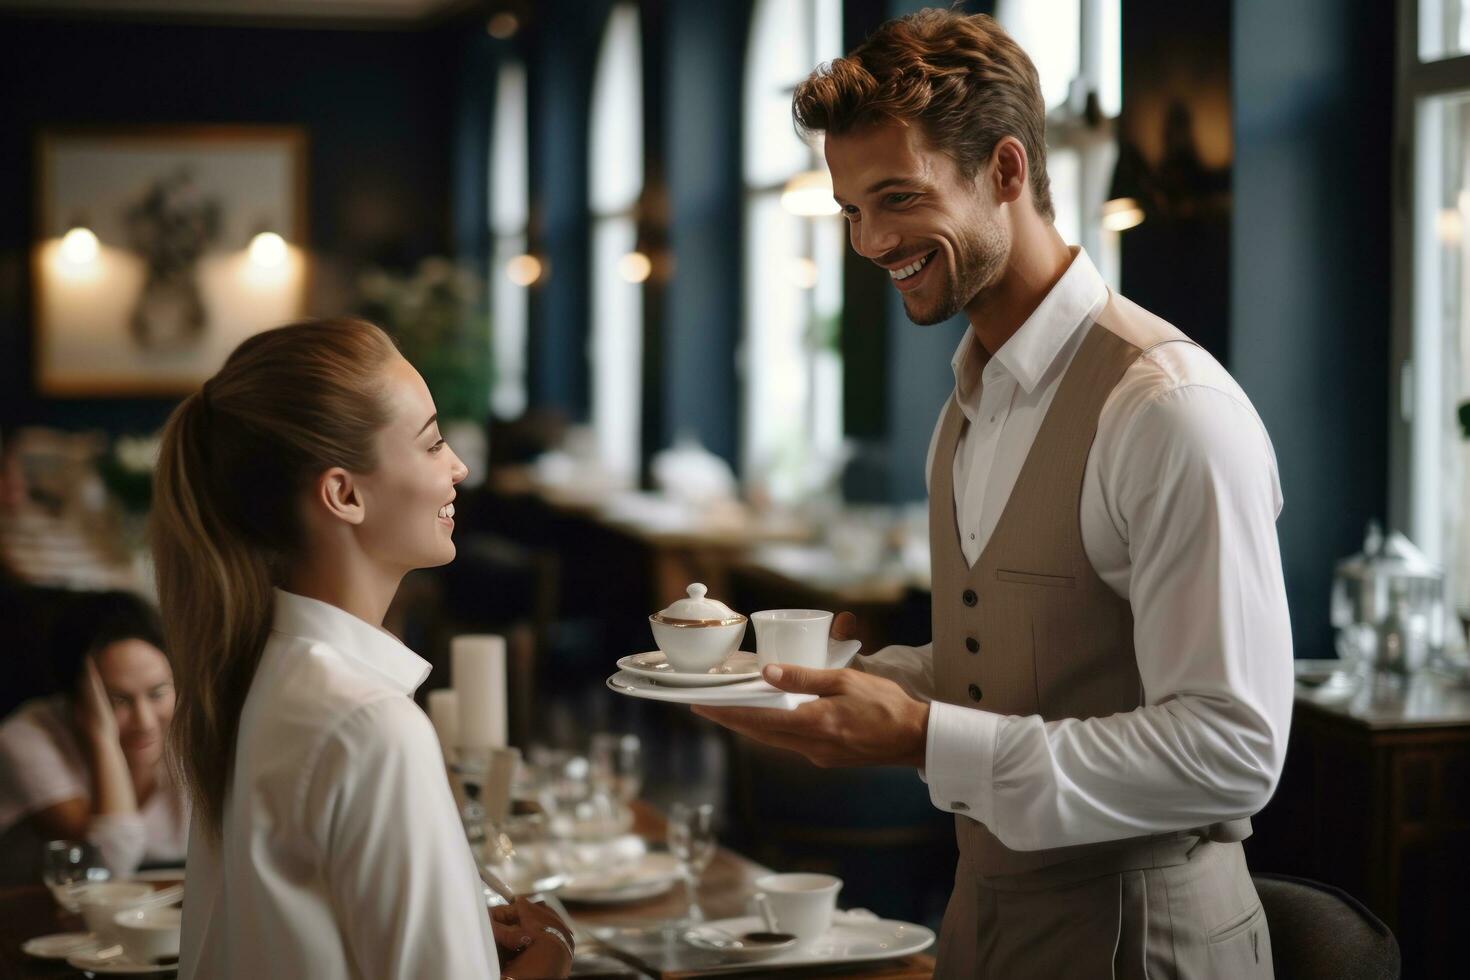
{"x":340,"y":496}
{"x":1009,"y":171}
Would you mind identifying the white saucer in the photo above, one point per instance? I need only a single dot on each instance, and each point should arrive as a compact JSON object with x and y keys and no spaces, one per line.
{"x":741,"y":666}
{"x":60,"y":945}
{"x":652,"y":874}
{"x":855,"y":937}
{"x":118,"y":965}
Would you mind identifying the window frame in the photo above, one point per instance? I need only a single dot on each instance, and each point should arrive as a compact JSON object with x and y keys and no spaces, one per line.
{"x":1414,"y":506}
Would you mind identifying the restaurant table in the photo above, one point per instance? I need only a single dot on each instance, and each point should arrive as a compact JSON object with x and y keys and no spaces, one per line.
{"x":28,"y":911}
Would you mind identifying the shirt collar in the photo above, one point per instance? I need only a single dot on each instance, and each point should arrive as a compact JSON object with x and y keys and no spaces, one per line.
{"x":359,"y":643}
{"x":1076,"y":299}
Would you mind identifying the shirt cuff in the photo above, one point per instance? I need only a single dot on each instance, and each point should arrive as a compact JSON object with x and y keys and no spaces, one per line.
{"x":959,"y":760}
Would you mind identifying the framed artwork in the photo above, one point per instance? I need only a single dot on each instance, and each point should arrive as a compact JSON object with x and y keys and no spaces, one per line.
{"x":158,"y":249}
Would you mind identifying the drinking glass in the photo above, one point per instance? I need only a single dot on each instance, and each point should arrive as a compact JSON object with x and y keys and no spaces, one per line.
{"x":67,"y":865}
{"x":617,"y":766}
{"x":692,"y":842}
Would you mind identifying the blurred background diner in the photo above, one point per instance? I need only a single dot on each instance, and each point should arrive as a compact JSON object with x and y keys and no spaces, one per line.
{"x":592,"y":227}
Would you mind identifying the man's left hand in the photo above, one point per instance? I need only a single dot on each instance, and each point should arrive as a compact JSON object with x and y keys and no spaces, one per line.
{"x":857,"y":720}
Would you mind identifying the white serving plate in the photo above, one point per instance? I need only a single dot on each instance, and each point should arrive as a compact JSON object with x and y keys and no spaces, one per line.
{"x":754,"y":693}
{"x":741,"y":666}
{"x":855,"y":937}
{"x":746,"y":694}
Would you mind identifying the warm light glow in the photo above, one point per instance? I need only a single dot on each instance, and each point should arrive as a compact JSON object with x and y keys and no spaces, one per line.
{"x":1450,"y":227}
{"x":803,"y":273}
{"x":809,"y":194}
{"x":503,"y":26}
{"x":523,"y":270}
{"x":1121,"y":213}
{"x":635,"y":267}
{"x":268,"y":250}
{"x":80,"y":247}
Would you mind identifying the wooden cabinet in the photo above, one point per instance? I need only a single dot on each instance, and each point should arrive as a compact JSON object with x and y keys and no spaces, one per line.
{"x":1375,"y":799}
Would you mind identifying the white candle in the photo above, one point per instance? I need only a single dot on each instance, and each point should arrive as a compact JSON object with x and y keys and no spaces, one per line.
{"x":477,"y":667}
{"x":444,"y":713}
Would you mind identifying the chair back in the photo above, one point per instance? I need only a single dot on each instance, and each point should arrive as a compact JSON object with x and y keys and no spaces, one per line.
{"x":1322,"y":933}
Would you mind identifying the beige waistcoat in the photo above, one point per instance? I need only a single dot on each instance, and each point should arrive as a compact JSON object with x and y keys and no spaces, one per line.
{"x":1031,"y":629}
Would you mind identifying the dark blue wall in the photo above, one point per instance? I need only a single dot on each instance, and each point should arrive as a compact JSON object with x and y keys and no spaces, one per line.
{"x":561,"y":65}
{"x":703,"y":313}
{"x":376,"y":107}
{"x":1310,"y":257}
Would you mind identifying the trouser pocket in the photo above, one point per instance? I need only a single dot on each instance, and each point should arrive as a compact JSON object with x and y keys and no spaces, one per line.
{"x":1242,"y":947}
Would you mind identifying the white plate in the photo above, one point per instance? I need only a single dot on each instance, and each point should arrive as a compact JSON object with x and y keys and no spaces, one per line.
{"x":119,"y":966}
{"x":853,"y":938}
{"x":746,"y":694}
{"x":650,"y":875}
{"x":60,"y":945}
{"x":754,"y":693}
{"x":741,"y":666}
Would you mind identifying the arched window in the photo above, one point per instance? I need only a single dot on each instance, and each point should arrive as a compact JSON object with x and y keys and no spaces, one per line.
{"x":510,"y":208}
{"x":790,"y":363}
{"x":615,"y":169}
{"x":1076,"y":46}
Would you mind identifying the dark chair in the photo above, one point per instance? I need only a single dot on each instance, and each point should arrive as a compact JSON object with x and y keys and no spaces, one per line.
{"x":1322,"y":933}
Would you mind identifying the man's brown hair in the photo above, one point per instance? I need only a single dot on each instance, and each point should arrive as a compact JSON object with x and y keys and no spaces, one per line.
{"x":961,"y":78}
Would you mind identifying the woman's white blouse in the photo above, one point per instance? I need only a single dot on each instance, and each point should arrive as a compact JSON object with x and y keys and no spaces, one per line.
{"x":342,"y":854}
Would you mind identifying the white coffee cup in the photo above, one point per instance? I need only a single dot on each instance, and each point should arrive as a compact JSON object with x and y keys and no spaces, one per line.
{"x":792,"y":636}
{"x":149,"y":935}
{"x":801,"y":904}
{"x":100,"y":903}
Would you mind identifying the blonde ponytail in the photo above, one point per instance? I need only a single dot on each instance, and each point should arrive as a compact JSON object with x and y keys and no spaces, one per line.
{"x":236,"y":456}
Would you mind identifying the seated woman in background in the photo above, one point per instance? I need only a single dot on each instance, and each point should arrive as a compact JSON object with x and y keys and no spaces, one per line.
{"x":88,"y":764}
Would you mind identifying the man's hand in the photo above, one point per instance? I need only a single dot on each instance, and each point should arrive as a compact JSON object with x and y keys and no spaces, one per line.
{"x":532,"y":941}
{"x":857,"y":720}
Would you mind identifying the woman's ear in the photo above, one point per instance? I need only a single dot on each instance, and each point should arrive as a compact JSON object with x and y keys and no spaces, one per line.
{"x":340,"y":497}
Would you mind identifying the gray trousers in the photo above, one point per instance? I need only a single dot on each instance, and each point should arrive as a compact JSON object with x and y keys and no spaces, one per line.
{"x":1191,"y":914}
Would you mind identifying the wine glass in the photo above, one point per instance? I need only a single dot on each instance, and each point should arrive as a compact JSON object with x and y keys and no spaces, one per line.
{"x":617,"y":766}
{"x":66,"y":866}
{"x":692,"y":842}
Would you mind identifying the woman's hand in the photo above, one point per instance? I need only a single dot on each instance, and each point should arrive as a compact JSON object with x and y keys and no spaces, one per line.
{"x":532,"y":941}
{"x":113,"y":788}
{"x":95,"y":716}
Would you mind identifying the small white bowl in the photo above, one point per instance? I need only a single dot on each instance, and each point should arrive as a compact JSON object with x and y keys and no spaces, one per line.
{"x":696,"y":648}
{"x":149,"y":935}
{"x":100,"y":902}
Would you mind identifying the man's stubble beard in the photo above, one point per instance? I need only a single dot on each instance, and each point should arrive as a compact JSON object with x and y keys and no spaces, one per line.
{"x":979,"y":260}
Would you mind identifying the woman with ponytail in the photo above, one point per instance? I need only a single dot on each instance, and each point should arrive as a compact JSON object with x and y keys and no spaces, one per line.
{"x":293,"y":493}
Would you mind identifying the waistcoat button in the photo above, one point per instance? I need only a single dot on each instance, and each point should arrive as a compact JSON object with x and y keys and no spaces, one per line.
{"x":974,"y":692}
{"x":970,"y":597}
{"x":972,"y":644}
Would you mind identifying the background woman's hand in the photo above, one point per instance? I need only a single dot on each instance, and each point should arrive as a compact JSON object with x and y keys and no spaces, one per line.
{"x":525,"y":946}
{"x":95,"y":716}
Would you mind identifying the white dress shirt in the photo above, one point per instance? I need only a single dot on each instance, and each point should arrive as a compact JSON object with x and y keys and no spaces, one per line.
{"x":1179,"y":503}
{"x":342,"y":854}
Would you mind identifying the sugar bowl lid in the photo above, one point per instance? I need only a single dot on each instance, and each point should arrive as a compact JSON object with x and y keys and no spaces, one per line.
{"x":698,"y":610}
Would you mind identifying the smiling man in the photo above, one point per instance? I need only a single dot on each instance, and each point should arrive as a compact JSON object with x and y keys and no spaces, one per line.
{"x":1106,"y":698}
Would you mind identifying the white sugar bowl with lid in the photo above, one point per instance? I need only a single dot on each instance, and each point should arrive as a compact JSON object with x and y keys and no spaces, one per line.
{"x":697,"y":633}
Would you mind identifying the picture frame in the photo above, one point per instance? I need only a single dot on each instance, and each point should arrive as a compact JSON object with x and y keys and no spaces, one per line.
{"x":158,"y":249}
